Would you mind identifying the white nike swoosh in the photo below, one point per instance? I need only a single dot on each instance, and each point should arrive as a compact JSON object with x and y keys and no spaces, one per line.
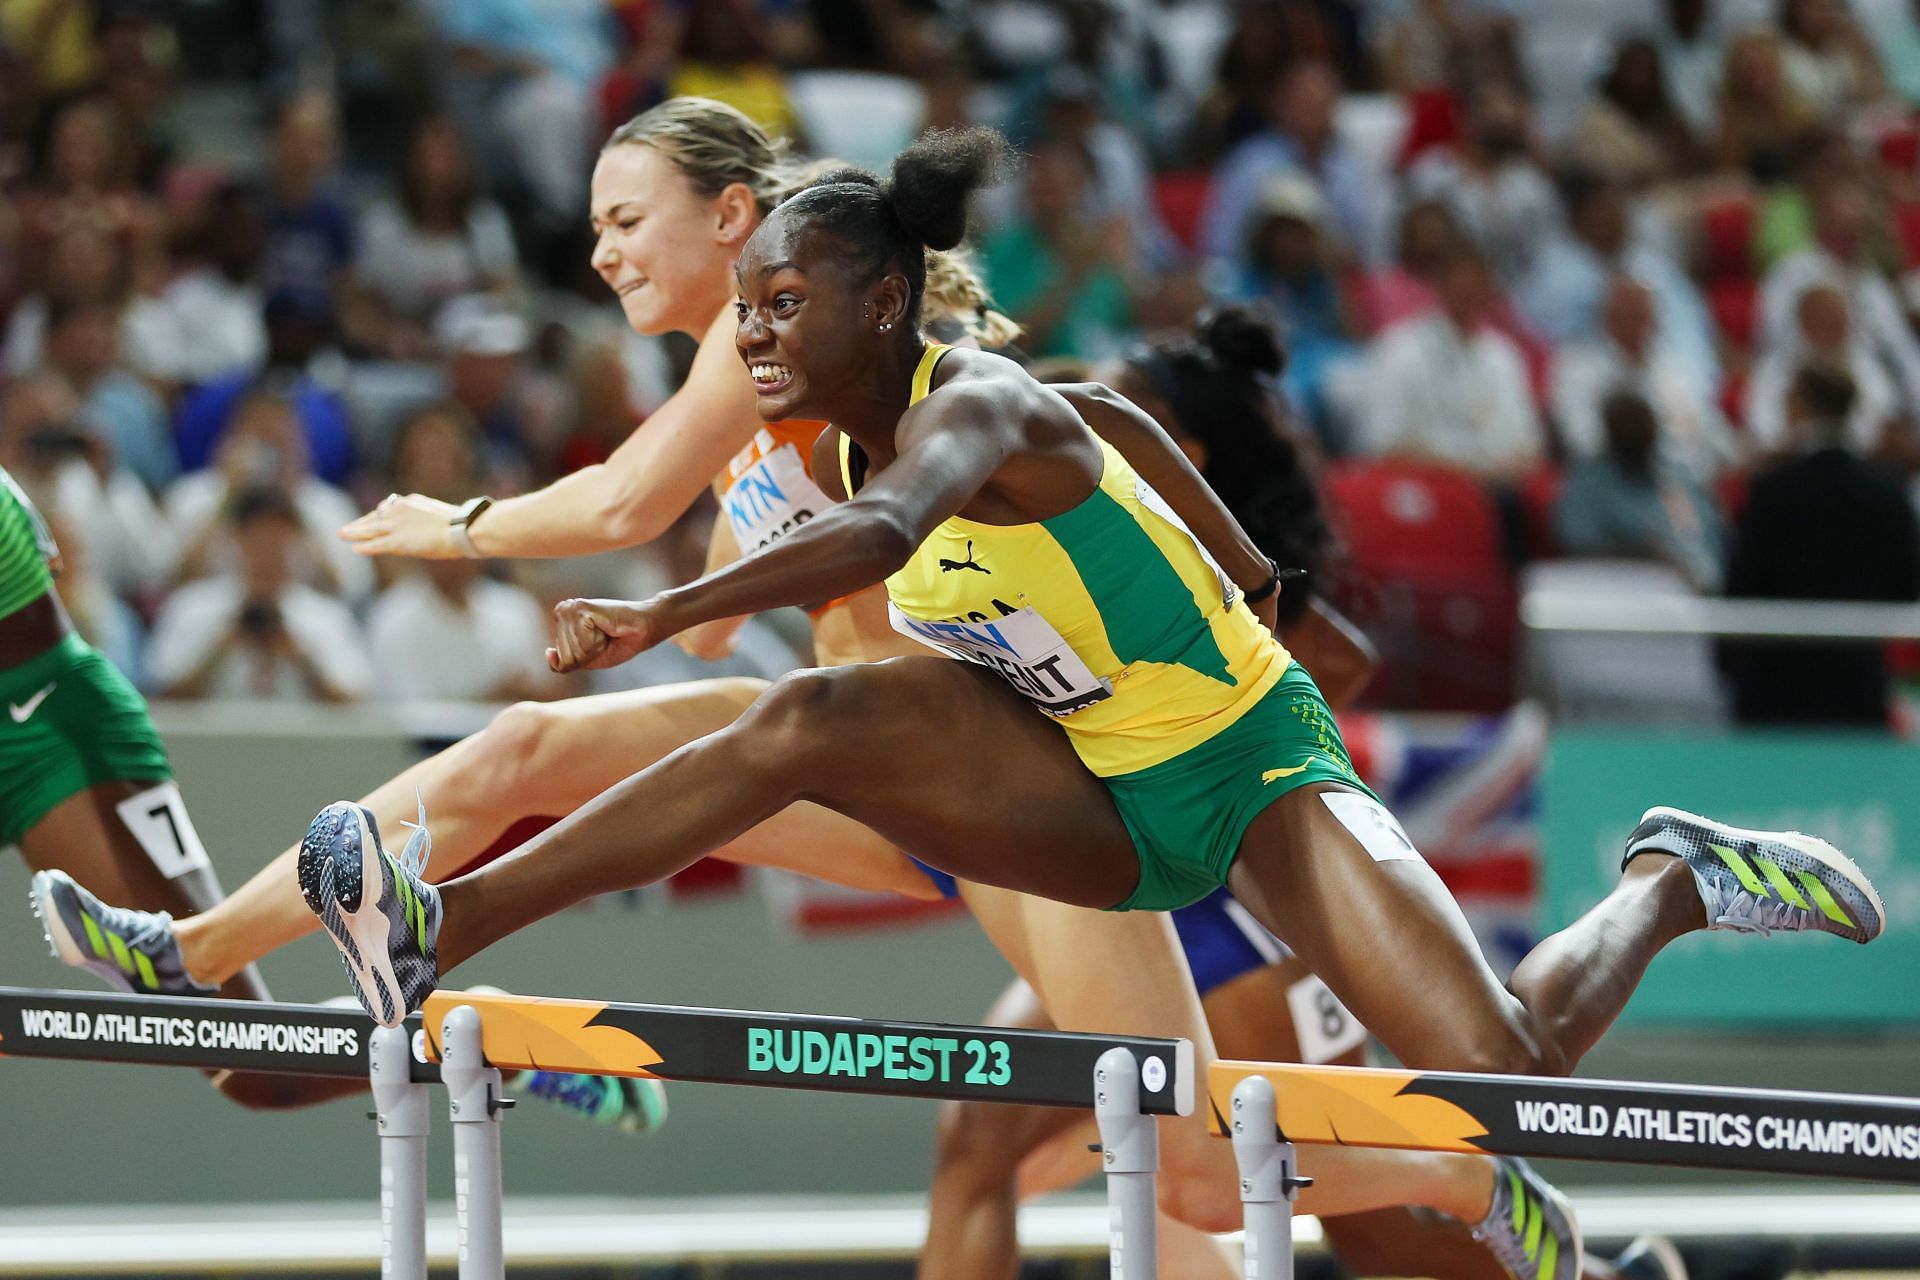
{"x":22,"y":711}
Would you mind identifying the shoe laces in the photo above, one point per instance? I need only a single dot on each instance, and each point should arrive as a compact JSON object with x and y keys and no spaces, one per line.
{"x":1746,"y":913}
{"x":419,"y":847}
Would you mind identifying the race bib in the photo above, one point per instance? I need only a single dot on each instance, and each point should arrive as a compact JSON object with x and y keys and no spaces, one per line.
{"x":1024,"y":648}
{"x":771,"y":499}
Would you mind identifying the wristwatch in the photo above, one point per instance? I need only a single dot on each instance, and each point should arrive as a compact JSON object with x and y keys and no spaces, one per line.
{"x":462,"y":522}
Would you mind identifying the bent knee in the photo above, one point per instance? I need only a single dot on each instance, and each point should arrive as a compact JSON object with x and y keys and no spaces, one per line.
{"x":971,"y":1142}
{"x":1513,"y":1050}
{"x":1207,"y":1204}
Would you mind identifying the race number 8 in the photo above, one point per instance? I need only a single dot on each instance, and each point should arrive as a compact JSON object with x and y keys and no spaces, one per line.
{"x":1325,"y":1027}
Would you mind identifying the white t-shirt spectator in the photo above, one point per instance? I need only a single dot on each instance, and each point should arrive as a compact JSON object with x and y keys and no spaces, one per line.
{"x":1509,"y":214}
{"x":1692,"y":431}
{"x":1876,"y":402}
{"x":200,"y":617}
{"x":415,"y":272}
{"x":1432,"y":392}
{"x":1878,"y":321}
{"x":220,"y":324}
{"x":428,"y":646}
{"x":199,"y":499}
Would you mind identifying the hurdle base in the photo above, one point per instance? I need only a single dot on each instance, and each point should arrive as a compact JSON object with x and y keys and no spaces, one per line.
{"x":1269,"y":1181}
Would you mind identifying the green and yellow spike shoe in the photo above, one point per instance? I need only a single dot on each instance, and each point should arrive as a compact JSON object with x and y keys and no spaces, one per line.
{"x":1530,"y":1228}
{"x":631,"y":1106}
{"x":379,"y":911}
{"x":131,"y":950}
{"x":1760,"y":881}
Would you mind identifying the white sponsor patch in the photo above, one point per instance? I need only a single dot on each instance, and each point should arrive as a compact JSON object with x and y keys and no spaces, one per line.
{"x":158,"y":819}
{"x":771,"y":499}
{"x":1153,"y":1074}
{"x":1024,"y":648}
{"x":1368,"y":821}
{"x":1325,"y":1028}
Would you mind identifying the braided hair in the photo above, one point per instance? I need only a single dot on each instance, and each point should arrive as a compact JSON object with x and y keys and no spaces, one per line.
{"x":1217,"y":381}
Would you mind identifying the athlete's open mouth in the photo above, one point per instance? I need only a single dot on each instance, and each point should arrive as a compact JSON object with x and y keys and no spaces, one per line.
{"x":769,"y":378}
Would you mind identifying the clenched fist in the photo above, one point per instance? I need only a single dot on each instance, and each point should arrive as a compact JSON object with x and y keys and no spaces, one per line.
{"x":593,"y":634}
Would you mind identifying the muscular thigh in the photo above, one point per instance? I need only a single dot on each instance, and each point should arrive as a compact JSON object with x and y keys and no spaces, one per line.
{"x":951,"y":765}
{"x":85,"y":836}
{"x":1385,"y":935}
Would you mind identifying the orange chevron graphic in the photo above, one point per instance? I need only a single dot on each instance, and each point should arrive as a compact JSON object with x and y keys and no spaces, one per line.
{"x":1354,"y":1106}
{"x":531,"y":1032}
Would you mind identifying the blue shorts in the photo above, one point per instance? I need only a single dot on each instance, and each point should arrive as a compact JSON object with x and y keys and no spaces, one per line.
{"x":1221,"y":939}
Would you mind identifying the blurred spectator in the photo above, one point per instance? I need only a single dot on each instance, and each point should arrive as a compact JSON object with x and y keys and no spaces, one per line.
{"x":298,"y":323}
{"x":523,"y":76}
{"x":215,"y":310}
{"x":1692,"y":55}
{"x":602,"y":412}
{"x":1299,"y":137}
{"x":54,"y":43}
{"x":1491,"y":181}
{"x":1292,"y":269}
{"x":1633,"y":132}
{"x":84,"y":264}
{"x":83,"y":346}
{"x":1448,"y":388}
{"x":1842,"y":256}
{"x":1825,"y":524}
{"x":309,"y":229}
{"x":85,"y":178}
{"x":446,"y":630}
{"x":1425,"y":47}
{"x":48,"y":445}
{"x":485,"y":344}
{"x":1122,"y":175}
{"x":1894,"y":27}
{"x":1761,"y":115}
{"x":1399,"y":290}
{"x":265,"y":448}
{"x":1631,"y":501}
{"x":1826,"y":59}
{"x":1823,"y":159}
{"x":437,"y":451}
{"x":255,"y":631}
{"x":1561,"y":296}
{"x":1824,"y":335}
{"x":1628,"y":357}
{"x":439,"y":239}
{"x":1063,"y":278}
{"x":138,"y":62}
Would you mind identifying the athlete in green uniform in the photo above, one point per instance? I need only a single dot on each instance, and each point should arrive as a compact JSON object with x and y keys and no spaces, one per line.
{"x":87,"y":794}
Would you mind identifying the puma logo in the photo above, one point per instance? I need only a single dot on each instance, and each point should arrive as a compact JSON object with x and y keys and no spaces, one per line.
{"x":23,"y":711}
{"x":1274,"y":775}
{"x":948,"y":566}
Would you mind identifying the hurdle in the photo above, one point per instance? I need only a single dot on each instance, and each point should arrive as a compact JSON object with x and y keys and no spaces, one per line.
{"x":463,"y":1040}
{"x":1266,"y":1107}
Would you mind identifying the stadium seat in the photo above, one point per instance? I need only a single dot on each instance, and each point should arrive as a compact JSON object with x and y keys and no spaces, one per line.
{"x":1182,"y":200}
{"x":1426,"y":575}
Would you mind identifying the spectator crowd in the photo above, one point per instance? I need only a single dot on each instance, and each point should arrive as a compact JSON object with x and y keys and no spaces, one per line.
{"x":261,"y":263}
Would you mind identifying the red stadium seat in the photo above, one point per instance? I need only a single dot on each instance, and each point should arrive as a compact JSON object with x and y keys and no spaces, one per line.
{"x":1182,"y":201}
{"x":1906,"y":230}
{"x":1428,"y":579}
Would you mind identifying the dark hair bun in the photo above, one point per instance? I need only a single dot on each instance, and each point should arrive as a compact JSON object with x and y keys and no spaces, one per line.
{"x":852,"y":173}
{"x":1242,"y":338}
{"x":933,"y":178}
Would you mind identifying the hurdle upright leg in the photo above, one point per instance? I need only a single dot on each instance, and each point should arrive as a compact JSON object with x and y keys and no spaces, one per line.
{"x":1268,"y":1181}
{"x":475,"y":1105}
{"x":1130,"y":1155}
{"x":403,"y":1120}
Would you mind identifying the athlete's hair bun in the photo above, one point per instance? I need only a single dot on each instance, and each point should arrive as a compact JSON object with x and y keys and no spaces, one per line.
{"x":933,"y":178}
{"x":1243,"y":338}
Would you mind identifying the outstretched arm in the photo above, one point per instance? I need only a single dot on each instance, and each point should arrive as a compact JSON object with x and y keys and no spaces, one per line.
{"x":949,"y":446}
{"x":1151,"y":452}
{"x":632,"y":497}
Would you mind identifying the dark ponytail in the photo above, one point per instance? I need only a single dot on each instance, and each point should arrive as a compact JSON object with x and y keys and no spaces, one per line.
{"x":889,"y":226}
{"x":1218,"y":383}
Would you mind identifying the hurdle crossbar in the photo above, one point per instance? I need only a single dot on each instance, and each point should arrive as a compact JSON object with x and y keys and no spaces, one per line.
{"x":463,"y":1040}
{"x":1751,"y":1130}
